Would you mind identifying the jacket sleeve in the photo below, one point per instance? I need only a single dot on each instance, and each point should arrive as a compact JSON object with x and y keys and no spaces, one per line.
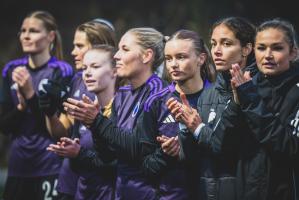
{"x":277,"y":132}
{"x":10,"y":116}
{"x":221,"y":138}
{"x":89,"y":159}
{"x":129,"y":144}
{"x":157,"y":163}
{"x":137,"y":145}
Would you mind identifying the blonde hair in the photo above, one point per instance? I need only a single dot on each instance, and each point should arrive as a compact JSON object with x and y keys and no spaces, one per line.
{"x":150,"y":38}
{"x":51,"y":25}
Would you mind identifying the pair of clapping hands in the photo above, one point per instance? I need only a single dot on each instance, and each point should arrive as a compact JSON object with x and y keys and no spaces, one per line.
{"x":83,"y":110}
{"x":24,"y":88}
{"x":189,"y":116}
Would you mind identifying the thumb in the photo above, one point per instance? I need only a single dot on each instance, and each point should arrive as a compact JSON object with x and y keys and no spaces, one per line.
{"x":19,"y":95}
{"x":233,"y":83}
{"x":66,"y":140}
{"x":184,"y":100}
{"x":77,"y":140}
{"x":86,"y":99}
{"x":96,"y":102}
{"x":247,"y":75}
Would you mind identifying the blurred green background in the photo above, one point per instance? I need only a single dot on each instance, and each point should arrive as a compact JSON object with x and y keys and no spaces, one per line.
{"x":165,"y":15}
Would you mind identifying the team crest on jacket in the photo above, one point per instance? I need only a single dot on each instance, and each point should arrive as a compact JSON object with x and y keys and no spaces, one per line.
{"x":41,"y":85}
{"x":135,"y":110}
{"x":83,"y":128}
{"x":212,"y":115}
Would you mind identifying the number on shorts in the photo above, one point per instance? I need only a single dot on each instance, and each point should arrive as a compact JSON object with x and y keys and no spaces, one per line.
{"x":47,"y":188}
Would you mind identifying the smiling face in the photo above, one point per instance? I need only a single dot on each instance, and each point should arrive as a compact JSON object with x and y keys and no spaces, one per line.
{"x":81,"y":45}
{"x":129,"y":57}
{"x":272,"y":51}
{"x":34,"y":37}
{"x":181,"y":60}
{"x":226,"y":48}
{"x":98,"y":74}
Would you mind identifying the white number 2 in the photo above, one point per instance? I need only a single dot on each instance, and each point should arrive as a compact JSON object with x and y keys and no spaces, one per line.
{"x":47,"y":188}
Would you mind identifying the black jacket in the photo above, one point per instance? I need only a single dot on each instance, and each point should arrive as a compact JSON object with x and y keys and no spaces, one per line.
{"x":271,"y":106}
{"x":216,"y":150}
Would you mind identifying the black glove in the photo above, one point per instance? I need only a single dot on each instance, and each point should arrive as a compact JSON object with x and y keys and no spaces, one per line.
{"x":46,"y":104}
{"x":51,"y":96}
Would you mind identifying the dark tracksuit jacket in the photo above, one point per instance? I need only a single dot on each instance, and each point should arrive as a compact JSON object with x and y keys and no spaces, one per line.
{"x":139,"y":147}
{"x":216,"y":150}
{"x":271,"y":106}
{"x":126,"y":112}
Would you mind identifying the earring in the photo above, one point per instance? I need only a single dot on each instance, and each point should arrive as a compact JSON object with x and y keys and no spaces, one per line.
{"x":51,"y":46}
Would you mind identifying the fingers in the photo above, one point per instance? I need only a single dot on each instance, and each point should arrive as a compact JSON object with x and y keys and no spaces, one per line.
{"x":58,"y":149}
{"x":247,"y":76}
{"x":77,"y":140}
{"x":162,"y":139}
{"x":16,"y":77}
{"x":96,"y":102}
{"x":75,"y":102}
{"x":175,"y":108}
{"x":77,"y":114}
{"x":237,"y":76}
{"x":20,"y":96}
{"x":233,"y":84}
{"x":172,"y":104}
{"x":70,"y":107}
{"x":86,"y":99}
{"x":169,"y":101}
{"x":20,"y":75}
{"x":185,"y":101}
{"x":22,"y":104}
{"x":171,"y":146}
{"x":66,"y":141}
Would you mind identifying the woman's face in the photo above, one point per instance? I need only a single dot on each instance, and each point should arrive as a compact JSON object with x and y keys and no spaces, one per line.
{"x":181,"y":60}
{"x":129,"y":62}
{"x":81,"y":45}
{"x":272,"y":52}
{"x":226,"y":48}
{"x":34,"y":37}
{"x":98,"y":74}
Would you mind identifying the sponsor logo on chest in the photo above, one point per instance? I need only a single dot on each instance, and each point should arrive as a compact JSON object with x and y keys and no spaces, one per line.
{"x":136,"y":109}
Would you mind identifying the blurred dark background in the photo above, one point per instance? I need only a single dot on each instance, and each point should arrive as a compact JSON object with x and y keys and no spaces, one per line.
{"x":165,"y":15}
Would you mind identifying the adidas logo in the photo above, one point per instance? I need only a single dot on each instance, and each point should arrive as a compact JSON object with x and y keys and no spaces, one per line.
{"x":168,"y":119}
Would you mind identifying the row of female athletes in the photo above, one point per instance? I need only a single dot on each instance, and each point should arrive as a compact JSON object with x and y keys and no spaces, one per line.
{"x":224,"y":126}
